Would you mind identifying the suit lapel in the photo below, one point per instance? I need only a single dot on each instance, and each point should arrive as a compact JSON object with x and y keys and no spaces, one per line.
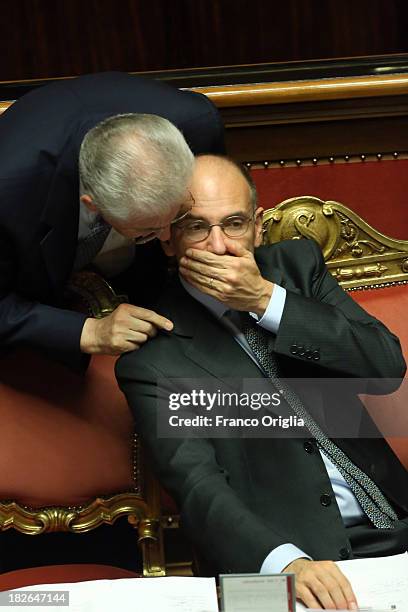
{"x":207,"y":342}
{"x":215,"y":350}
{"x":61,"y":212}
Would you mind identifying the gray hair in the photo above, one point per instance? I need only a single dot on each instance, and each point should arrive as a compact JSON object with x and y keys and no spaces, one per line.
{"x":253,"y":196}
{"x":131,"y":164}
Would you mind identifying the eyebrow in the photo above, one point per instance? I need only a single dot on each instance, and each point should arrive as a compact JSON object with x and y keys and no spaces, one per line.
{"x":238,"y":213}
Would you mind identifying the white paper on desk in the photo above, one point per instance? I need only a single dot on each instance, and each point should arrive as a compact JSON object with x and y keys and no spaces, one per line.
{"x":381,"y":582}
{"x":172,"y":594}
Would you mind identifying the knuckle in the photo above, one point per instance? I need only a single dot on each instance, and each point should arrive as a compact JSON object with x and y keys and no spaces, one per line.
{"x":122,"y":309}
{"x":119,"y":317}
{"x":319,"y":590}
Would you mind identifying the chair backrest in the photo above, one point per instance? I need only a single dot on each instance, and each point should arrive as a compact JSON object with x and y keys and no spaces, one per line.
{"x":69,"y":457}
{"x":373,"y":267}
{"x":66,"y":438}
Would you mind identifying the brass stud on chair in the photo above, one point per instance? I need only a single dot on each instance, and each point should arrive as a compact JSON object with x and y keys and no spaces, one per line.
{"x":282,"y":162}
{"x":314,"y":161}
{"x":379,"y":156}
{"x":331,"y":159}
{"x":395,"y":155}
{"x":362,"y":157}
{"x":266,"y":164}
{"x":298,"y":162}
{"x":248,"y":165}
{"x":347,"y":158}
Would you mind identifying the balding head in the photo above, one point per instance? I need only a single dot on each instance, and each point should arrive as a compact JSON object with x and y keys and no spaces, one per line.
{"x":217,"y":170}
{"x":223,"y":198}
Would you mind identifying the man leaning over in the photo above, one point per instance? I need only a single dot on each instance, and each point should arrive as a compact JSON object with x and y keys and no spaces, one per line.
{"x":134,"y":170}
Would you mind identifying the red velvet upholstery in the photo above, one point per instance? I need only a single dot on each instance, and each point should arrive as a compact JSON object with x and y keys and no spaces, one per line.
{"x":65,"y":438}
{"x":52,"y":574}
{"x":371,"y":189}
{"x":390,"y":305}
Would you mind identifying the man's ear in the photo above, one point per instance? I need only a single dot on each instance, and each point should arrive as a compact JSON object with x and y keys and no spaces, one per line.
{"x":258,"y":227}
{"x":89,"y":203}
{"x":168,"y":248}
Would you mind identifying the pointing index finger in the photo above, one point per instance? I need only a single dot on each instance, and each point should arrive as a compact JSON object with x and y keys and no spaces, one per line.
{"x":150,"y":316}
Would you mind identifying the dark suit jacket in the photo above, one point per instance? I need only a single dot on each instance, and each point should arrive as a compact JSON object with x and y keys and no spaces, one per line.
{"x":241,"y":498}
{"x":40,"y":137}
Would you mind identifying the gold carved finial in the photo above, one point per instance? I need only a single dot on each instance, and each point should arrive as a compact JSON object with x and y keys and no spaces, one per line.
{"x":356,"y":254}
{"x":304,"y":217}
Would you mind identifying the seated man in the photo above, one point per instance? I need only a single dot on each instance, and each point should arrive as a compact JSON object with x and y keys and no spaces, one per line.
{"x":284,"y":504}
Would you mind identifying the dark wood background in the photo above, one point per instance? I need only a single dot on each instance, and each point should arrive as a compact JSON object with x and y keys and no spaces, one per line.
{"x":52,"y":38}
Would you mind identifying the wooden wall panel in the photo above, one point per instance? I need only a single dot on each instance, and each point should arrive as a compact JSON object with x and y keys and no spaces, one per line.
{"x":51,"y":38}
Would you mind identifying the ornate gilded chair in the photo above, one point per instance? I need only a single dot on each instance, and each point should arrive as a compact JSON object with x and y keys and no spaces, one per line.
{"x":69,"y":458}
{"x":365,"y":262}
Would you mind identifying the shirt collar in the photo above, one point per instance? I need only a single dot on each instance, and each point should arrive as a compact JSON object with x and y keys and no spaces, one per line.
{"x":217,"y":308}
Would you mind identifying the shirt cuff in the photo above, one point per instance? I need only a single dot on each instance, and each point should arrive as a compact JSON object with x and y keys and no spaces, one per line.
{"x":271,"y":318}
{"x":280,"y":557}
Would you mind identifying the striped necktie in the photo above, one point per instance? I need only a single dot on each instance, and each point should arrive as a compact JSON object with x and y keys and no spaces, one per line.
{"x":371,"y":499}
{"x":89,"y":246}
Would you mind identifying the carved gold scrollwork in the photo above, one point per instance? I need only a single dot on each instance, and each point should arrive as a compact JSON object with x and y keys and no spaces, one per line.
{"x":352,"y":243}
{"x":148,"y":530}
{"x":56,"y":519}
{"x":34,"y":521}
{"x":356,"y":254}
{"x":303,"y":217}
{"x":375,"y":270}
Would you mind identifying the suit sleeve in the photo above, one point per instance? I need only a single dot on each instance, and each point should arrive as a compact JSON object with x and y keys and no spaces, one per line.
{"x":224,"y":529}
{"x":330,"y":329}
{"x":24,"y":323}
{"x":202,"y":126}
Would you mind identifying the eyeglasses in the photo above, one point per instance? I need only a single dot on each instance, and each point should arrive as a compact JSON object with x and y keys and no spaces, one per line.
{"x":182,"y":216}
{"x":198,"y":230}
{"x":156,"y":232}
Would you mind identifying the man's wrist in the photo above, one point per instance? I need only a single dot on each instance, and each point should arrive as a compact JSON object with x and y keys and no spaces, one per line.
{"x":281,"y":557}
{"x":296,"y":564}
{"x":88,"y":336}
{"x":264,"y":298}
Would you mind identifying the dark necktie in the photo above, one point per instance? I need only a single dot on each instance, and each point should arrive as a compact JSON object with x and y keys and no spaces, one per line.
{"x":89,"y":246}
{"x":371,"y":499}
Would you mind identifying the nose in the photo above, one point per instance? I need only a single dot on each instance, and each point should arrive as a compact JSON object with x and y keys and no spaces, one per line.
{"x":215,"y":241}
